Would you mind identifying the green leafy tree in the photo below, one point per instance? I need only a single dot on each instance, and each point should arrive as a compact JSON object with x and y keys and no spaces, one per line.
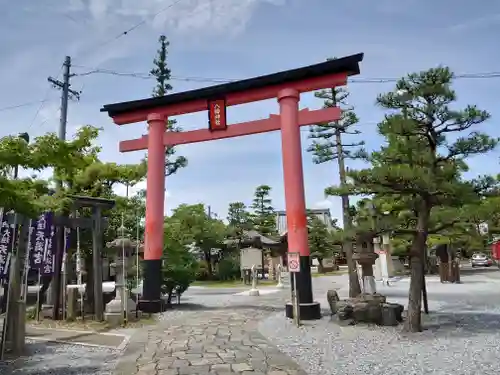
{"x":321,"y":241}
{"x":421,"y":165}
{"x":263,"y":216}
{"x":163,"y":74}
{"x":327,"y":146}
{"x":32,"y":195}
{"x":201,"y":231}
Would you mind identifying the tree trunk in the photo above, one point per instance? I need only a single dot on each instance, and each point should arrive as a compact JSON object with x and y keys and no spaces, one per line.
{"x":413,"y":322}
{"x":321,"y":268}
{"x":354,"y":286}
{"x":208,"y":261}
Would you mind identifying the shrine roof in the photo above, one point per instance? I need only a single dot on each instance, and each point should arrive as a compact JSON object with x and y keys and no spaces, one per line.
{"x":348,"y":65}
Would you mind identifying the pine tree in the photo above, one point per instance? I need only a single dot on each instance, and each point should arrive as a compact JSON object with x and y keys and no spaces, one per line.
{"x":263,"y":216}
{"x":327,"y":146}
{"x":163,"y":74}
{"x":421,"y":165}
{"x":237,"y":214}
{"x":238,"y":218}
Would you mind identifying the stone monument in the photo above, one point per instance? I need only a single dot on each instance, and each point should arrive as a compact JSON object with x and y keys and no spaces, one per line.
{"x":254,"y":291}
{"x":366,"y":256}
{"x":121,"y":249}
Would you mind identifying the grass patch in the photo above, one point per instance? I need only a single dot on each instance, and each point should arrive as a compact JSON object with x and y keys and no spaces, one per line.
{"x":90,"y":325}
{"x":231,"y":283}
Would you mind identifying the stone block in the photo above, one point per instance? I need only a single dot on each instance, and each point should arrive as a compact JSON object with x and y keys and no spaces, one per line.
{"x":366,"y":308}
{"x":333,"y":299}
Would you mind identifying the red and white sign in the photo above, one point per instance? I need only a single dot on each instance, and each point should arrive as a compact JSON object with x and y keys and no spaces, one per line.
{"x":293,"y":262}
{"x":217,"y":115}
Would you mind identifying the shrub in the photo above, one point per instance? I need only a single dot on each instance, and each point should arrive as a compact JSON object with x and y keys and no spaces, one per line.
{"x":228,"y":269}
{"x":202,"y":273}
{"x":178,"y":270}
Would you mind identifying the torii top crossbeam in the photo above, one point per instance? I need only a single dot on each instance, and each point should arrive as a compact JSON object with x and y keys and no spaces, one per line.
{"x":314,"y":77}
{"x":286,"y":87}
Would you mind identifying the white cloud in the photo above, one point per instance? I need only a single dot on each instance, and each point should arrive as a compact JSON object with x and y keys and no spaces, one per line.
{"x":323,"y":204}
{"x":132,"y":190}
{"x":213,"y":16}
{"x":478,"y":22}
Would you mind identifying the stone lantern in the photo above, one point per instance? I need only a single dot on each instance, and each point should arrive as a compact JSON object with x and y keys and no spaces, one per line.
{"x":121,"y":249}
{"x":366,"y":256}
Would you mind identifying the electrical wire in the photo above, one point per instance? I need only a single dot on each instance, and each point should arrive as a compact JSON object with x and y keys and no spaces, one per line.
{"x":8,"y":108}
{"x":132,"y":28}
{"x":45,"y":99}
{"x":147,"y":76}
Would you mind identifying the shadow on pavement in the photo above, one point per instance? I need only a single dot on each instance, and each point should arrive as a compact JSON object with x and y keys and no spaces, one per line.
{"x":479,"y":271}
{"x":233,"y":306}
{"x":461,"y":324}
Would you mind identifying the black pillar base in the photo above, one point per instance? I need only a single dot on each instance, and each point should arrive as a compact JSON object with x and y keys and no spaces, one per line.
{"x":150,"y":300}
{"x":308,"y":311}
{"x":151,"y":307}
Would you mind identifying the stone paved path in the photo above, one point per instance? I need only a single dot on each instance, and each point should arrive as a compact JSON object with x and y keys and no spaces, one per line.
{"x":209,"y":341}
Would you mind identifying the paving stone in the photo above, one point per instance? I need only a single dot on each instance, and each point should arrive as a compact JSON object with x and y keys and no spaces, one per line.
{"x":195,"y":370}
{"x":180,"y":363}
{"x":258,"y":365}
{"x":223,"y":367}
{"x":168,"y":372}
{"x":240,"y":367}
{"x":218,"y":342}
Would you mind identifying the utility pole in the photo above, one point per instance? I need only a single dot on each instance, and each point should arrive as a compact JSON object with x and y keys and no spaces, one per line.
{"x":67,"y":93}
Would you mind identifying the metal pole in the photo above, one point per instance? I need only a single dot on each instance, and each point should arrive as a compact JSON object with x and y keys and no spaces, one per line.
{"x":24,"y":291}
{"x":137,"y":274}
{"x":296,"y":314}
{"x":64,"y":275}
{"x":97,"y":265}
{"x":124,"y":277}
{"x":81,"y":291}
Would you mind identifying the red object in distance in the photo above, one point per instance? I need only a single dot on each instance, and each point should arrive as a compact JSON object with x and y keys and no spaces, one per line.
{"x":217,"y":115}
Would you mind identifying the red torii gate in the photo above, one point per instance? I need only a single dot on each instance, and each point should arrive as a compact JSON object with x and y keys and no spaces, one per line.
{"x":286,"y":86}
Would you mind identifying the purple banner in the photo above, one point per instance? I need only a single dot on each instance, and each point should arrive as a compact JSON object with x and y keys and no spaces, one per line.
{"x":48,"y":256}
{"x":41,"y":242}
{"x":7,"y":237}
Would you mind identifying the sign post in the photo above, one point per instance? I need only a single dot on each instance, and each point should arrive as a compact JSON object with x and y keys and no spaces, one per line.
{"x":294,"y":268}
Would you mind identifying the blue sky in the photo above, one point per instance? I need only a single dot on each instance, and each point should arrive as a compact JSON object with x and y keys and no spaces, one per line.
{"x":236,"y":39}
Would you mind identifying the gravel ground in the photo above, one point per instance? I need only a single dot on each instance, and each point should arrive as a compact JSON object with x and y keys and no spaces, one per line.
{"x":60,"y":359}
{"x":461,"y":337}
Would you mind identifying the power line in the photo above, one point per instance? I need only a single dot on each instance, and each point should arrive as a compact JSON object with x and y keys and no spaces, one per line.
{"x":148,"y":76}
{"x":132,"y":28}
{"x":42,"y":103}
{"x":20,"y":105}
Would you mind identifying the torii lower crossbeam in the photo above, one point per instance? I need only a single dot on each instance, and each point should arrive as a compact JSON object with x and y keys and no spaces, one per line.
{"x":273,"y":123}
